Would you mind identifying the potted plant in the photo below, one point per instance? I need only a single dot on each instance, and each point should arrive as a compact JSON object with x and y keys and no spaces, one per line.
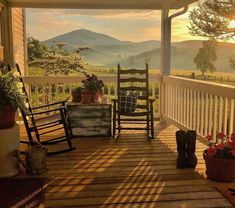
{"x":220,"y":157}
{"x":77,"y":94}
{"x":93,"y":89}
{"x":10,"y":99}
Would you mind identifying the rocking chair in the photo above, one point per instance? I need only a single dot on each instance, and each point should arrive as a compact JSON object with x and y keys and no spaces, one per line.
{"x":133,"y":87}
{"x":44,"y":120}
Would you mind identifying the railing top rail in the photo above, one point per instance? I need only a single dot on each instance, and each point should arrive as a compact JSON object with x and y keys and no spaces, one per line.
{"x":75,"y":79}
{"x":203,"y":86}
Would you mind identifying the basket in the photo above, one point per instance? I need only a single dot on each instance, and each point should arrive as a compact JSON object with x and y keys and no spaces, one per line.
{"x":217,"y":169}
{"x":35,"y":158}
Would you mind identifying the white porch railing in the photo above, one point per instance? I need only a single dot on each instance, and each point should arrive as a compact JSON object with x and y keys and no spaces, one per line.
{"x":192,"y":104}
{"x":45,"y":89}
{"x":206,"y":107}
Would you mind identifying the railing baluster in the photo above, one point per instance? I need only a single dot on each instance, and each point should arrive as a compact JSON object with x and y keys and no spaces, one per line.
{"x":220,"y":113}
{"x":187,"y":108}
{"x":198,"y":111}
{"x":215,"y":117}
{"x":206,"y":114}
{"x":210,"y":113}
{"x":225,"y":127}
{"x":181,"y":104}
{"x":191,"y":109}
{"x":231,"y":120}
{"x":177,"y":103}
{"x":173,"y":102}
{"x":194,"y":109}
{"x":109,"y":91}
{"x":36,"y":94}
{"x":202,"y":114}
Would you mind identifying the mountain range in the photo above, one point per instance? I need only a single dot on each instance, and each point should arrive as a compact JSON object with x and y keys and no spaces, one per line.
{"x":106,"y":51}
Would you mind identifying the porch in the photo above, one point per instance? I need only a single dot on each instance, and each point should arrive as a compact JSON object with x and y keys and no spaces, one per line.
{"x":132,"y":171}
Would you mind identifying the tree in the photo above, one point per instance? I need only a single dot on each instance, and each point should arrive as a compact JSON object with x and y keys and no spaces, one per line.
{"x":212,"y":19}
{"x":35,"y":49}
{"x":206,"y":56}
{"x":56,"y":60}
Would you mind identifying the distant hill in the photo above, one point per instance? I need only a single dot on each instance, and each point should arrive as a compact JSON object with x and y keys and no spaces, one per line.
{"x":107,"y":51}
{"x":84,"y":37}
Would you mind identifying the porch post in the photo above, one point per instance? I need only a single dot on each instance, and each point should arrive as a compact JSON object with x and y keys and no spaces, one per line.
{"x":7,"y":35}
{"x":165,"y":43}
{"x":165,"y":57}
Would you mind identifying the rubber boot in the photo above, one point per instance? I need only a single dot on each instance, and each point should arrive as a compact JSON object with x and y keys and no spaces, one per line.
{"x":181,"y":137}
{"x":191,"y":147}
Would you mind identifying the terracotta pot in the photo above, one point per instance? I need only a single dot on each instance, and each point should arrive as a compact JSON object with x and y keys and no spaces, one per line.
{"x":96,"y":98}
{"x":86,"y":97}
{"x":219,"y":169}
{"x":7,"y":116}
{"x":77,"y":95}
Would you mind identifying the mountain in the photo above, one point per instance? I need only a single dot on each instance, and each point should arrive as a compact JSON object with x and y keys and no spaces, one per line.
{"x":107,"y":51}
{"x":84,"y":37}
{"x":182,"y":55}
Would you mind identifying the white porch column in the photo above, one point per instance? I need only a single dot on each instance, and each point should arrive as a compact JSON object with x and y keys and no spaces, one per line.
{"x":7,"y":35}
{"x":165,"y":43}
{"x":165,"y":57}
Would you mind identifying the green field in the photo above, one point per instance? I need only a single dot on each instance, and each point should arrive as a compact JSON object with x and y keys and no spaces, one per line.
{"x":219,"y":77}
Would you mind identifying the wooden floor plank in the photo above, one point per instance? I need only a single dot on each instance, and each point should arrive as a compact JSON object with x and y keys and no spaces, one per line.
{"x":131,"y":171}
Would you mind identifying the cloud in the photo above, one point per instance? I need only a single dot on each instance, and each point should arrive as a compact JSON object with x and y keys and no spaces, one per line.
{"x":134,"y":25}
{"x":139,"y":14}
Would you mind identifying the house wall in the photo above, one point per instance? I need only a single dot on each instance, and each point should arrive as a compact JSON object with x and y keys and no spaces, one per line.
{"x":19,"y":40}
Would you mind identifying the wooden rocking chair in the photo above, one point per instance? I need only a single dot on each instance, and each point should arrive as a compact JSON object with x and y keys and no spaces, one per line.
{"x":44,"y":120}
{"x":128,"y":82}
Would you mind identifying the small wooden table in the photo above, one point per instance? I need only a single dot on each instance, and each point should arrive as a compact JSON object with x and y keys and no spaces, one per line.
{"x":90,"y":119}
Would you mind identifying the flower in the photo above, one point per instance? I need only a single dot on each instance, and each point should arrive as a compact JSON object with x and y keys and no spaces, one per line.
{"x":231,"y":145}
{"x":233,"y":153}
{"x":92,"y":84}
{"x":220,"y":146}
{"x":220,"y":135}
{"x":212,"y":150}
{"x":224,"y":149}
{"x":233,"y":136}
{"x":209,"y":137}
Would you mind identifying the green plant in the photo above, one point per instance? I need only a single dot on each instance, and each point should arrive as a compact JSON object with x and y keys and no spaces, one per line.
{"x":10,"y":92}
{"x":92,"y":84}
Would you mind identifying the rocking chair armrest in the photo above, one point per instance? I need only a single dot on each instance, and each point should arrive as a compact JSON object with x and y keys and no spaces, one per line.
{"x":48,"y":111}
{"x":50,"y":104}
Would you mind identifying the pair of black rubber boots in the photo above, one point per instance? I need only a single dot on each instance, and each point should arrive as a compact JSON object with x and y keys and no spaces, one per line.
{"x":186,"y":146}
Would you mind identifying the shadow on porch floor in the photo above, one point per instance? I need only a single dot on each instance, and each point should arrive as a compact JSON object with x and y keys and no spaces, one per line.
{"x":129,"y":172}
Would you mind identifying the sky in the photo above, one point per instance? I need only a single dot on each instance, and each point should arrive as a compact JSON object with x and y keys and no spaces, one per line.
{"x":132,"y":25}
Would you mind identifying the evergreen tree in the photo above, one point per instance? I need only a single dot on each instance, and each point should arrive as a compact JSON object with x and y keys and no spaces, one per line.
{"x":206,"y":56}
{"x":212,"y":19}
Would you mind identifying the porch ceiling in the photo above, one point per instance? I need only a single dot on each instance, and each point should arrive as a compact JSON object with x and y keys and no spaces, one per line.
{"x":101,"y":4}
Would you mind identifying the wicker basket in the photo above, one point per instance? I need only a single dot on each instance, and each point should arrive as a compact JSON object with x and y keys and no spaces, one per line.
{"x":35,"y":158}
{"x":219,"y":169}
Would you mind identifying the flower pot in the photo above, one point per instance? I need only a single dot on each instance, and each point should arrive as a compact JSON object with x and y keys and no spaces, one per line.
{"x":77,"y":95}
{"x":217,"y":169}
{"x":86,"y":97}
{"x":96,"y":98}
{"x":7,"y":116}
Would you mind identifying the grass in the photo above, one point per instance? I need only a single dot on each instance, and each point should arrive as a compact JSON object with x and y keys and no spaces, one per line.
{"x":219,"y":77}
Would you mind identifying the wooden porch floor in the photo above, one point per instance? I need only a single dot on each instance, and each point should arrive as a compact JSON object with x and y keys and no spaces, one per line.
{"x":129,"y":172}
